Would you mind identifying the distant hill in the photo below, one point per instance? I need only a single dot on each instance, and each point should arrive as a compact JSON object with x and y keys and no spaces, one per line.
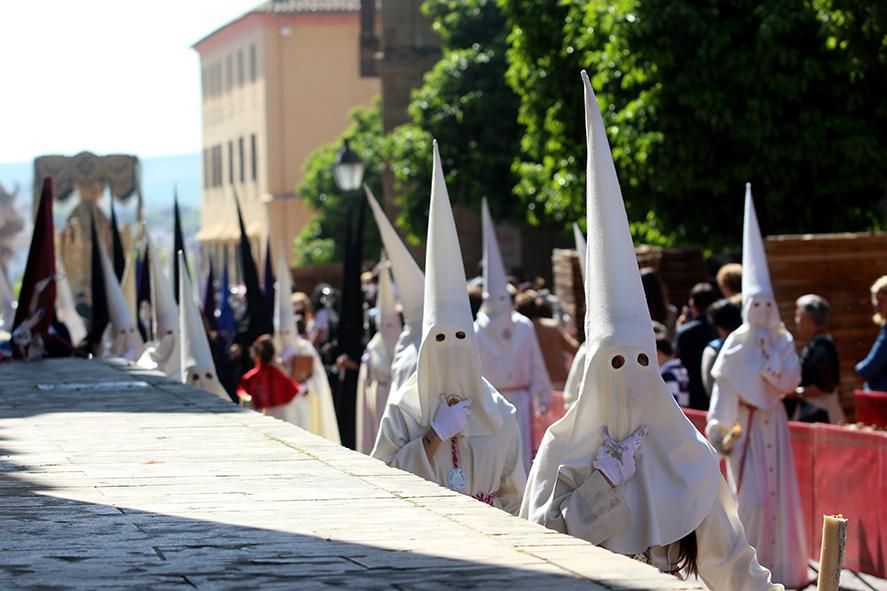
{"x":159,"y":176}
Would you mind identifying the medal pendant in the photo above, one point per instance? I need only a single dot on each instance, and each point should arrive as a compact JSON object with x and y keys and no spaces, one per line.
{"x":456,"y":479}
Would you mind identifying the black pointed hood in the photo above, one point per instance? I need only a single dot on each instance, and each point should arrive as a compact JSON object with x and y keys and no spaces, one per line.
{"x":100,"y":316}
{"x":119,"y":259}
{"x":258,"y":317}
{"x":209,"y":299}
{"x":268,"y":278}
{"x":36,"y":303}
{"x":143,"y":292}
{"x":178,"y":245}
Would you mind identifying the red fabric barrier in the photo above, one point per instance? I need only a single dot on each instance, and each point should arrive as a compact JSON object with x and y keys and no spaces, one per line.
{"x":839,"y":470}
{"x":871,"y":407}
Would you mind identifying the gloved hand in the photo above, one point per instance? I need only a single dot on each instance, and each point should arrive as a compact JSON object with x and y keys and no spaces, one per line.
{"x":542,"y":404}
{"x":616,"y":459}
{"x":449,"y":420}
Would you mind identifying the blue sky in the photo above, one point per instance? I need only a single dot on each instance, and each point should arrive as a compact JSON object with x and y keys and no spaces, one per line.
{"x":104,"y":75}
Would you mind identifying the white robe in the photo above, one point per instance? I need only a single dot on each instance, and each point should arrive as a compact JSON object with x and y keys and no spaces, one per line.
{"x":768,"y":497}
{"x":315,"y":411}
{"x":594,"y":510}
{"x":493,"y":470}
{"x":373,"y":385}
{"x":516,"y":368}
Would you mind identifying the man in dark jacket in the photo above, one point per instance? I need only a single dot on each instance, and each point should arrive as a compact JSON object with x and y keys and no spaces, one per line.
{"x":692,"y":337}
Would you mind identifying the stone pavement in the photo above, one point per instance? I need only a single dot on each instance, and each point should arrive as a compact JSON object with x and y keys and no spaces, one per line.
{"x":114,"y":477}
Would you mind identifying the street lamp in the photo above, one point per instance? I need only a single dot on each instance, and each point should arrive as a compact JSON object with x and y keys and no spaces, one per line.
{"x":348,"y":169}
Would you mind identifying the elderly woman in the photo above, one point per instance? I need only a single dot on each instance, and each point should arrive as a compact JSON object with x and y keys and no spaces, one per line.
{"x":873,"y":368}
{"x":817,"y":396}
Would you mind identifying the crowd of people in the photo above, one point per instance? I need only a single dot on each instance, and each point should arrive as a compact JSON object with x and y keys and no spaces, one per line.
{"x":443,"y":377}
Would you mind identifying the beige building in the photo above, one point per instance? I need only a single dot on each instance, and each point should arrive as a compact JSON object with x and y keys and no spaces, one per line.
{"x":277,"y":83}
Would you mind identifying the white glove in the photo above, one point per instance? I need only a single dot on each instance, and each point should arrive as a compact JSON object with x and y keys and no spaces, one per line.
{"x":449,"y":420}
{"x":616,"y":459}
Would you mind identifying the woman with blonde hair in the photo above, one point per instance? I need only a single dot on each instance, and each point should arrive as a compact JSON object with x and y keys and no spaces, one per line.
{"x":873,"y":368}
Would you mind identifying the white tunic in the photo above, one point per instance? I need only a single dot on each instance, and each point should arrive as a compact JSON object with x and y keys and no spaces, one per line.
{"x":494,"y":473}
{"x":768,"y":497}
{"x":317,"y":413}
{"x":515,"y":367}
{"x":373,"y":385}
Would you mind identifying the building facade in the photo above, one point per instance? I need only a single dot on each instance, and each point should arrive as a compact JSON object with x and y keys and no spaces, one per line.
{"x":277,"y":83}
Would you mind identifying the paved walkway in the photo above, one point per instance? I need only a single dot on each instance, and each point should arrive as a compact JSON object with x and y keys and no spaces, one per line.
{"x":112,"y":477}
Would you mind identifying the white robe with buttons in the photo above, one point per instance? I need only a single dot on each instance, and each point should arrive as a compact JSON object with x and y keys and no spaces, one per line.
{"x":768,"y":497}
{"x":516,"y":368}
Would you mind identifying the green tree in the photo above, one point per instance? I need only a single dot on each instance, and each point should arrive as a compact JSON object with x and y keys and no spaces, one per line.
{"x":699,"y":98}
{"x":322,"y":239}
{"x":464,"y":103}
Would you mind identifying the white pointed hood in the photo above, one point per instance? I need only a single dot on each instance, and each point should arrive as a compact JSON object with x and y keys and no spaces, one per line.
{"x":162,"y":354}
{"x":128,"y":281}
{"x":742,"y":357}
{"x":65,"y":308}
{"x":497,"y":300}
{"x":407,"y":274}
{"x":387,"y":320}
{"x":581,"y":248}
{"x":677,"y":475}
{"x":756,"y":284}
{"x":126,"y":342}
{"x":164,"y":312}
{"x":196,"y":361}
{"x":494,"y":321}
{"x":448,"y":363}
{"x":7,"y":310}
{"x":285,"y":338}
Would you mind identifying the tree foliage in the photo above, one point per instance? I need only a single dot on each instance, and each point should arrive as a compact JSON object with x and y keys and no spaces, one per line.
{"x":466,"y":104}
{"x":323,"y":239}
{"x":698,"y":98}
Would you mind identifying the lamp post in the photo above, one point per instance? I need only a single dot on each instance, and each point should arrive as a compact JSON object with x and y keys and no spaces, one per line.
{"x":348,"y":169}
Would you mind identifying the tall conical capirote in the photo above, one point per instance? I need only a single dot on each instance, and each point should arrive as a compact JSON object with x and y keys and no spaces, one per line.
{"x":129,"y":282}
{"x":448,"y":360}
{"x":209,"y":299}
{"x":268,"y":278}
{"x":118,"y":312}
{"x":36,"y":301}
{"x":615,"y":301}
{"x":446,"y":297}
{"x":225,"y":321}
{"x":143,"y":293}
{"x":257,"y":315}
{"x":407,"y":274}
{"x":676,"y":481}
{"x":164,"y":312}
{"x":497,"y":300}
{"x":755,"y":274}
{"x":65,"y":307}
{"x":196,"y":360}
{"x":581,"y":248}
{"x":100,"y":316}
{"x":284,"y":319}
{"x":387,"y":319}
{"x":117,"y":246}
{"x":178,"y":245}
